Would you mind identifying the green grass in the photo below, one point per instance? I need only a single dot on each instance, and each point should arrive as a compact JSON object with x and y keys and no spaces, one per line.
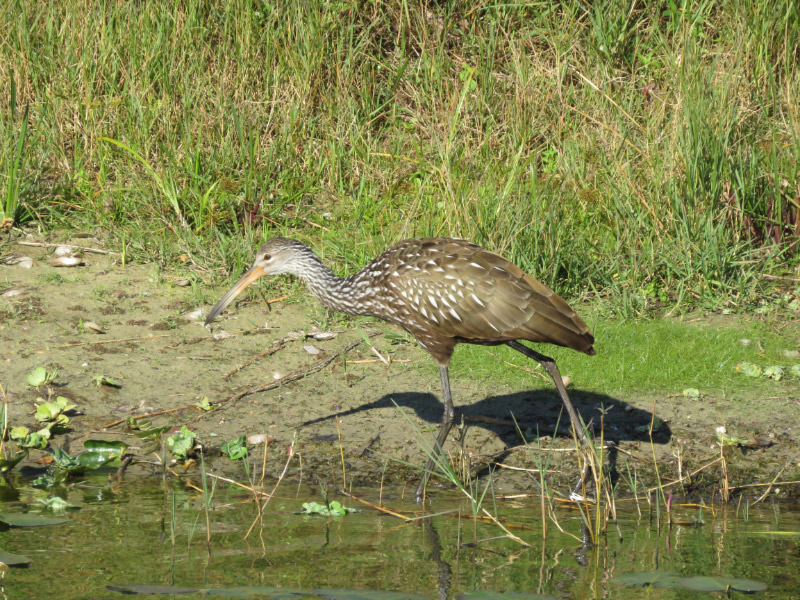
{"x":644,"y":153}
{"x":655,"y":357}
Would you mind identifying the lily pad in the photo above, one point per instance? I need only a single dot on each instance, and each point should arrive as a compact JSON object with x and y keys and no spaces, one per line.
{"x":345,"y":594}
{"x":700,"y":583}
{"x":150,"y":590}
{"x":332,"y":509}
{"x":272,"y":593}
{"x":109,"y":447}
{"x":30,"y":520}
{"x":94,"y":460}
{"x":489,"y":595}
{"x":722,"y":584}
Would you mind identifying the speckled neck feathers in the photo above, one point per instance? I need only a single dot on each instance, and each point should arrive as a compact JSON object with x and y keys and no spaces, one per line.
{"x":334,"y":292}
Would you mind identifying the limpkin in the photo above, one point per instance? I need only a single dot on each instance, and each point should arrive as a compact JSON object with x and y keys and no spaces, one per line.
{"x":442,"y":291}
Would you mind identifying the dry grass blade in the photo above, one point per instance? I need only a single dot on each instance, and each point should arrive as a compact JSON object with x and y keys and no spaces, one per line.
{"x":261,"y":507}
{"x":377,"y":507}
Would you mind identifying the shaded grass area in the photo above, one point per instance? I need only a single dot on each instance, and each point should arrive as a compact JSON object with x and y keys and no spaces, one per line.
{"x":645,"y":153}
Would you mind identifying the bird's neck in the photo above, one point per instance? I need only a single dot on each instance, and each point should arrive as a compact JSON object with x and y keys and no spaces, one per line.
{"x":333,"y":291}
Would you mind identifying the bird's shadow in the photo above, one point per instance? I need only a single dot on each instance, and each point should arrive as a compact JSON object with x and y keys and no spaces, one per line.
{"x":535,"y":411}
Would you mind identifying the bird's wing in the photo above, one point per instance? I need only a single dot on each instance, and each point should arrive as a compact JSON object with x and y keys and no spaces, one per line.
{"x":462,"y":291}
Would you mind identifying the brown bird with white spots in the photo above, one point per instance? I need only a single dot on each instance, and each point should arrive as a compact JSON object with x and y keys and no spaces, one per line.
{"x":442,"y":291}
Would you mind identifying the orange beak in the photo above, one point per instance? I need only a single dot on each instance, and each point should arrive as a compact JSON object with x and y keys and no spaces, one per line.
{"x":249,"y":277}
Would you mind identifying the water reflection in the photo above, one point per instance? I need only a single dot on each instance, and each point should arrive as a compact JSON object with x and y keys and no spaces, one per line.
{"x":140,"y":533}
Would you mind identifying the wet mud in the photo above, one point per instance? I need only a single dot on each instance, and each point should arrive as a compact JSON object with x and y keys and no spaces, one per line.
{"x":358,"y":419}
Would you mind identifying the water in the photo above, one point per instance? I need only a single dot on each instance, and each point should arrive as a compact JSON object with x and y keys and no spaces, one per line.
{"x":142,"y":533}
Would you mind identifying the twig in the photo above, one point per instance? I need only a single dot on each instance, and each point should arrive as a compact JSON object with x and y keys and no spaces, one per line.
{"x":779,"y":278}
{"x":276,"y":345}
{"x":73,"y":344}
{"x":689,"y":476}
{"x":378,"y":354}
{"x":152,"y":414}
{"x":236,"y":483}
{"x":5,"y":420}
{"x":746,"y":485}
{"x":72,"y":246}
{"x":369,"y":361}
{"x":294,"y":376}
{"x":769,"y":489}
{"x":377,"y":507}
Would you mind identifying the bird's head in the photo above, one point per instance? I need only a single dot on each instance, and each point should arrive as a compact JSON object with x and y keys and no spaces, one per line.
{"x":277,"y":256}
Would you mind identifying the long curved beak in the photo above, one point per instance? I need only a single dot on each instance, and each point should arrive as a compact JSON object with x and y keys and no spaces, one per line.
{"x":249,"y":277}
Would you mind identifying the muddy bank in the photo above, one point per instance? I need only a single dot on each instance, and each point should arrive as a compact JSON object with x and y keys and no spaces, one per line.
{"x":154,"y":344}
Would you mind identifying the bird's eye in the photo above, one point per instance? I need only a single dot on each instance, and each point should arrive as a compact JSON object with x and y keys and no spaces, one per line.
{"x":267,"y":257}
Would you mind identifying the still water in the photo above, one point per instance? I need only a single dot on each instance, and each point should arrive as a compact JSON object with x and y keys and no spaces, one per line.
{"x":146,"y":534}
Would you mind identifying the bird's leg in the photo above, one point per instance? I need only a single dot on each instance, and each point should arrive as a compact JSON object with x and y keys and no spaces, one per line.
{"x":447,"y":423}
{"x":550,"y":366}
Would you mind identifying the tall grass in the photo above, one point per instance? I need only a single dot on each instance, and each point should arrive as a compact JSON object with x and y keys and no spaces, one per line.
{"x":643,"y":151}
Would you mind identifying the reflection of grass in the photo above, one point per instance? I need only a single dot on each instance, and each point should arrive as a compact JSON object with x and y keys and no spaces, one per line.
{"x":651,"y":356}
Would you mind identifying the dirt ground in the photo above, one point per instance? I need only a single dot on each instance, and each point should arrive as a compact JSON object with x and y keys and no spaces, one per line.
{"x":155,"y":345}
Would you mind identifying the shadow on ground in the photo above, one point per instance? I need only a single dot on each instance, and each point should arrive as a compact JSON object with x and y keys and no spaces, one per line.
{"x":535,"y":411}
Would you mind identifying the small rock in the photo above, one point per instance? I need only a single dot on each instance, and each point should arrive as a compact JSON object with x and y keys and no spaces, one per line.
{"x":791,"y":354}
{"x":259,"y":438}
{"x":311,"y":350}
{"x":63,"y":251}
{"x":745,"y":342}
{"x":193,"y":314}
{"x":323,"y":335}
{"x":183,"y":282}
{"x":222,"y":335}
{"x":23,"y":262}
{"x":67,"y":261}
{"x":13,"y":293}
{"x":92,"y":326}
